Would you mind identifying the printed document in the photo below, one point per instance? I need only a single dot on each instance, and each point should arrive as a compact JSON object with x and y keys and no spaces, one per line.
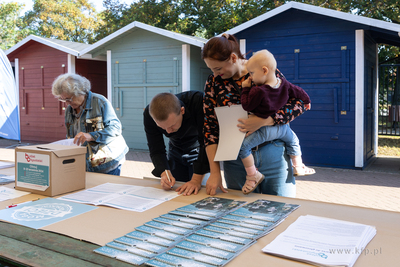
{"x":230,"y":138}
{"x":8,"y":193}
{"x":122,"y":196}
{"x":322,"y":241}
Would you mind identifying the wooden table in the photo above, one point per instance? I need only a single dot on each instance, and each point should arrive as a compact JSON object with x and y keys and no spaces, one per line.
{"x":50,"y":248}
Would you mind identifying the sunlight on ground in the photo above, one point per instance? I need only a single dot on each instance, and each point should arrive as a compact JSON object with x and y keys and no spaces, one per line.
{"x":389,"y":145}
{"x":368,"y":196}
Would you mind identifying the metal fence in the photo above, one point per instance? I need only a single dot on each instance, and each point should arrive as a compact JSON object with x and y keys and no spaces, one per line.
{"x":389,"y":99}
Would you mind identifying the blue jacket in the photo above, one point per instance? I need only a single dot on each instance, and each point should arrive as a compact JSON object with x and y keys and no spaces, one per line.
{"x":99,"y":120}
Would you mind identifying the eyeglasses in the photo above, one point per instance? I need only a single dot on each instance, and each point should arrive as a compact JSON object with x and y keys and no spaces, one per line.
{"x":65,"y":100}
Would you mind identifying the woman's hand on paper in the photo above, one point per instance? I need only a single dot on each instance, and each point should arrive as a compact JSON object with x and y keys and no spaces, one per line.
{"x":82,"y":137}
{"x":191,"y":187}
{"x":213,"y":183}
{"x":165,"y":183}
{"x":253,"y":123}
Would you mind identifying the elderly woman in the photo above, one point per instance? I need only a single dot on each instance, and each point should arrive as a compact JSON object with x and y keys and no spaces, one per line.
{"x":90,"y":120}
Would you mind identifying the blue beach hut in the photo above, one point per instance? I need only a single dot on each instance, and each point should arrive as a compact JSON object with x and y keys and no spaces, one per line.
{"x":334,"y":56}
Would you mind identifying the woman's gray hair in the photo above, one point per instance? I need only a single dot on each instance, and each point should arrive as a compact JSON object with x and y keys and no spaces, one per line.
{"x":70,"y":83}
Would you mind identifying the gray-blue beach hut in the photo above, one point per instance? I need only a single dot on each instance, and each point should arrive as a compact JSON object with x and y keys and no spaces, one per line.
{"x":144,"y":60}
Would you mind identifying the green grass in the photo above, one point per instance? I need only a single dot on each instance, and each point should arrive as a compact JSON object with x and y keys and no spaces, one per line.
{"x":388,"y":145}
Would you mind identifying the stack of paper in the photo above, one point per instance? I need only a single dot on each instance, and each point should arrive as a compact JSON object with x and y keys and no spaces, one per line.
{"x":4,"y":164}
{"x":7,"y":179}
{"x":322,"y":241}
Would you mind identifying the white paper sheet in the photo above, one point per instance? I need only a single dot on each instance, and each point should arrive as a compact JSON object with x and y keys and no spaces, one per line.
{"x":322,"y":241}
{"x":230,"y":138}
{"x":65,"y":142}
{"x":122,"y":196}
{"x":8,"y":193}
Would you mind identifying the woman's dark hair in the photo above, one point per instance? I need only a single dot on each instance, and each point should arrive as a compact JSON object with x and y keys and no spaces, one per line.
{"x":221,"y":48}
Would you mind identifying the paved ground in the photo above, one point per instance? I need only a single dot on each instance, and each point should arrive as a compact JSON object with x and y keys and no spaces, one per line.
{"x":377,"y":186}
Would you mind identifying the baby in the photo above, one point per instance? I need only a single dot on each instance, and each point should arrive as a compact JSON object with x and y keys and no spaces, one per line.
{"x":264,"y":99}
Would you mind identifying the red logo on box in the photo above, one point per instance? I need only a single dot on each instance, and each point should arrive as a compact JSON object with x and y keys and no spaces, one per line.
{"x":30,"y":158}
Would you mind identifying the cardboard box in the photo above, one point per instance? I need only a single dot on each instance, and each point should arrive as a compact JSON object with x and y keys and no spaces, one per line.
{"x":50,"y":169}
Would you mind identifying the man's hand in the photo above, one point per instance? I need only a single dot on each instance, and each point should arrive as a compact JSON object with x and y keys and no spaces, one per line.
{"x":307,"y":106}
{"x":82,"y":137}
{"x":213,"y":183}
{"x":253,"y":123}
{"x":165,"y":183}
{"x":191,"y":187}
{"x":247,"y":82}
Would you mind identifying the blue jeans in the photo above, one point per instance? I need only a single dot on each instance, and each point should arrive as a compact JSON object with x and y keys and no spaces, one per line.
{"x":116,"y":171}
{"x":272,"y":161}
{"x":269,"y":133}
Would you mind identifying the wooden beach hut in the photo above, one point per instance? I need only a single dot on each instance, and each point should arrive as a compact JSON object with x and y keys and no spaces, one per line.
{"x":38,"y":61}
{"x":143,"y":61}
{"x":334,"y":56}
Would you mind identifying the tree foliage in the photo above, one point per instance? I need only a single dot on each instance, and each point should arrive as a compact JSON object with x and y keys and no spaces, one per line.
{"x":203,"y":18}
{"x":386,"y":10}
{"x":71,"y":20}
{"x":112,"y":17}
{"x":9,"y":23}
{"x":76,"y":20}
{"x":159,"y":13}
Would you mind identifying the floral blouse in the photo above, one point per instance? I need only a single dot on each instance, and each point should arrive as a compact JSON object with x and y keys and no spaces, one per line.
{"x":222,"y":92}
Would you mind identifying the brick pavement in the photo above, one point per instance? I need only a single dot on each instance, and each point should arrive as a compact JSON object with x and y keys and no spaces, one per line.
{"x":377,"y":186}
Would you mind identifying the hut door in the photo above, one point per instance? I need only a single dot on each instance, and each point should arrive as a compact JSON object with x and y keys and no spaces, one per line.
{"x":370,"y":104}
{"x":389,"y":99}
{"x":42,"y":116}
{"x":134,"y":85}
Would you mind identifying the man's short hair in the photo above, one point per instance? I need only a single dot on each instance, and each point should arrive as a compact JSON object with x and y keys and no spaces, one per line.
{"x":164,"y":104}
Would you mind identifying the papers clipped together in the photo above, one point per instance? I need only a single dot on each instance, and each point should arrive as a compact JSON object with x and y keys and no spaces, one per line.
{"x":322,"y":241}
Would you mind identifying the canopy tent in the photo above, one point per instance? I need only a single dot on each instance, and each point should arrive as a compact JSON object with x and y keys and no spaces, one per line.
{"x":9,"y":118}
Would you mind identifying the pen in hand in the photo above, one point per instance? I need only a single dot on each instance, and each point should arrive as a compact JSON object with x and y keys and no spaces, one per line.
{"x":169,"y":179}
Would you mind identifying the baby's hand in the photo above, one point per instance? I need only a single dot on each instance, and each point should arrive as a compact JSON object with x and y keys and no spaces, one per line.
{"x":247,"y":82}
{"x":307,"y":106}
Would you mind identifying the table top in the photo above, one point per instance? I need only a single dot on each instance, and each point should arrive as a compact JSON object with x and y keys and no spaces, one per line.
{"x":71,"y":242}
